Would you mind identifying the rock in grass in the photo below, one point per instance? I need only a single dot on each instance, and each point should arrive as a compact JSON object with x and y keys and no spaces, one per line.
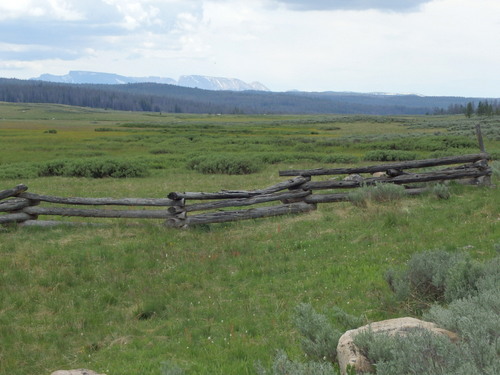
{"x":348,"y":354}
{"x":81,"y":371}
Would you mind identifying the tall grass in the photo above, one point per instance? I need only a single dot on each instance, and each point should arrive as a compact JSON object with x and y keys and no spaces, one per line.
{"x":131,"y":297}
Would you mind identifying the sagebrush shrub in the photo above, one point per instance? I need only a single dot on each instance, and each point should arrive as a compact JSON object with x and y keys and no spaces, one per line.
{"x":359,"y":197}
{"x":382,"y":192}
{"x":319,"y":339}
{"x":417,"y":352}
{"x":441,"y":191}
{"x":282,"y":365}
{"x":224,"y":164}
{"x":434,"y":276}
{"x":423,"y":280}
{"x":386,"y":192}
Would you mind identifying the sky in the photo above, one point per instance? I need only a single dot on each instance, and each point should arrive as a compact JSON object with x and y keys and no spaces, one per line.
{"x":427,"y":47}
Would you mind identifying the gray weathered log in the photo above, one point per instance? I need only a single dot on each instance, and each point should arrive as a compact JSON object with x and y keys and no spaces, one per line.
{"x":157,"y":202}
{"x":13,"y":192}
{"x":327,"y":198}
{"x":15,"y":218}
{"x":134,"y":214}
{"x":54,"y":223}
{"x":14,"y":204}
{"x":384,"y":167}
{"x":254,"y":213}
{"x":343,"y":197}
{"x":244,"y":201}
{"x":232,"y":194}
{"x":449,"y":174}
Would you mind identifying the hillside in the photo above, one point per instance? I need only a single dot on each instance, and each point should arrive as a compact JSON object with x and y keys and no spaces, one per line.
{"x":175,"y":99}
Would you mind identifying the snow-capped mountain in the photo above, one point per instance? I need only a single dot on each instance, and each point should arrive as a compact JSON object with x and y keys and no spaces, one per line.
{"x":219,"y":83}
{"x":194,"y":81}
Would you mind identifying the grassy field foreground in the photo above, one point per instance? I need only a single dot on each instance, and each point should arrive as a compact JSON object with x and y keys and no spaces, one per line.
{"x":127,"y":297}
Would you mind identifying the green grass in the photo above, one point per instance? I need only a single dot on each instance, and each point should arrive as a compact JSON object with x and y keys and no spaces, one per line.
{"x":125,"y":297}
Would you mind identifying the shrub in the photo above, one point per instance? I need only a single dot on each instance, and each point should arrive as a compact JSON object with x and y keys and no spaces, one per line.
{"x":99,"y":168}
{"x":52,"y":168}
{"x":340,"y":158}
{"x":435,"y":276}
{"x":378,"y":193}
{"x":495,"y":166}
{"x":224,"y":164}
{"x":282,"y":365}
{"x":50,"y":131}
{"x":417,"y":352}
{"x":390,"y":155}
{"x":319,"y":338}
{"x":495,"y":155}
{"x":441,"y":191}
{"x":18,"y":170}
{"x":423,"y":280}
{"x":93,"y":168}
{"x":359,"y":197}
{"x":386,"y":192}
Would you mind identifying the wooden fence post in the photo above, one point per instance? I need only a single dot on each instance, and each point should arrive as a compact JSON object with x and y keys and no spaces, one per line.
{"x":479,"y":135}
{"x":485,"y":180}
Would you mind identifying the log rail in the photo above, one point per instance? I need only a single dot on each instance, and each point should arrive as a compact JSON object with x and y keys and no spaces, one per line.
{"x":295,"y":195}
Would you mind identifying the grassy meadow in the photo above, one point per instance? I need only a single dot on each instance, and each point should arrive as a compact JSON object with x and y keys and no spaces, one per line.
{"x":133,"y":297}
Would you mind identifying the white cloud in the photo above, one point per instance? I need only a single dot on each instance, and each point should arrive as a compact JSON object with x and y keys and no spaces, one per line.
{"x":52,"y":9}
{"x":439,"y":47}
{"x":385,"y":5}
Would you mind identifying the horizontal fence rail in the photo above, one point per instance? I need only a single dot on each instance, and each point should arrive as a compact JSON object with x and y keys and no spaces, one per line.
{"x":391,"y":166}
{"x":293,"y":196}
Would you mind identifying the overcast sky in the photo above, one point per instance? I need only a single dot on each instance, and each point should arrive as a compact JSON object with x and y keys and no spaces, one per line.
{"x":429,"y":47}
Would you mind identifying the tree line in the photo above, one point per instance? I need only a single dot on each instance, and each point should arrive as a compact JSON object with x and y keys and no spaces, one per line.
{"x":153,"y":97}
{"x":482,"y":109}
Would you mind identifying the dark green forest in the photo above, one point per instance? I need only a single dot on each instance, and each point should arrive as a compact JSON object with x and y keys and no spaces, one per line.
{"x":176,"y":99}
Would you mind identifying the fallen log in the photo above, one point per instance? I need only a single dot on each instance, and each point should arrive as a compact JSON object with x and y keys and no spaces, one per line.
{"x":254,"y":213}
{"x":13,"y":192}
{"x":297,"y":194}
{"x":449,"y":174}
{"x":133,"y":214}
{"x":15,"y":204}
{"x":158,"y":202}
{"x":15,"y":218}
{"x":471,"y":158}
{"x":232,"y":194}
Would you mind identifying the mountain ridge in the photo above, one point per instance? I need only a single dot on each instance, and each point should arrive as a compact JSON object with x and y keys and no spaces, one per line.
{"x":192,"y":81}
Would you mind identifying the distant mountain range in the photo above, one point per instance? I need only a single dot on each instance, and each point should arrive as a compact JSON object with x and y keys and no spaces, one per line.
{"x":193,"y":81}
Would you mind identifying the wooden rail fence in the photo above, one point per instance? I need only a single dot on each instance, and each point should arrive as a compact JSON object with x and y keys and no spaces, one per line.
{"x":295,"y":195}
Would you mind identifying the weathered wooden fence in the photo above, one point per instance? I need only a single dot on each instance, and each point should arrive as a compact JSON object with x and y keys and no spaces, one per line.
{"x":295,"y":195}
